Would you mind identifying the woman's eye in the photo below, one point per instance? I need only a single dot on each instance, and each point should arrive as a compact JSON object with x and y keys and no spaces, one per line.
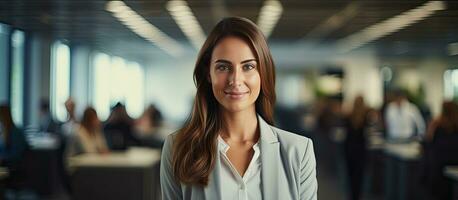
{"x":248,"y":67}
{"x":222,"y":68}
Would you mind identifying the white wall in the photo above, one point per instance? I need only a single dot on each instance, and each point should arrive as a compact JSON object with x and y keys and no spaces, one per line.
{"x":431,"y":74}
{"x":170,"y":86}
{"x":362,"y":77}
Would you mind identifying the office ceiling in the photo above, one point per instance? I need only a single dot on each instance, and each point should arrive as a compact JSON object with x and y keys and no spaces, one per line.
{"x":87,"y":22}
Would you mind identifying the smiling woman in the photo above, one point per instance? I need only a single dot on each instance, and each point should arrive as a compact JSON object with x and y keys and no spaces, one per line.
{"x":229,"y":137}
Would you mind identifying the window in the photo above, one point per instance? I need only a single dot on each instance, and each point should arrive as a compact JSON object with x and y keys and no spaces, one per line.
{"x":101,"y":85}
{"x":60,"y":79}
{"x":451,"y":84}
{"x":118,"y":82}
{"x":17,"y":77}
{"x":135,"y":90}
{"x":4,"y":69}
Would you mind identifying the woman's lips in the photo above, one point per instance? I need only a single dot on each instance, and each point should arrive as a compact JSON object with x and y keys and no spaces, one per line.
{"x":235,"y":95}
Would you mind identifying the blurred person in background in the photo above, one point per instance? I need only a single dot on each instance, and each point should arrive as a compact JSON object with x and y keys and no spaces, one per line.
{"x":118,"y":129}
{"x":47,"y":123}
{"x":69,"y":130}
{"x":443,"y":138}
{"x":147,"y":128}
{"x":229,"y":148}
{"x":89,"y":137}
{"x":14,"y":147}
{"x":388,"y":97}
{"x":70,"y":127}
{"x":403,"y":119}
{"x":355,"y":143}
{"x":149,"y":121}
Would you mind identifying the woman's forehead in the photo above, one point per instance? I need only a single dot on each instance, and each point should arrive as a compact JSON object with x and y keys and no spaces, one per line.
{"x":232,"y":49}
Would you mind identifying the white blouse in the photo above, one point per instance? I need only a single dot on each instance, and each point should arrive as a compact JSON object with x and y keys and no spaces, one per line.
{"x":234,"y":186}
{"x":91,"y":144}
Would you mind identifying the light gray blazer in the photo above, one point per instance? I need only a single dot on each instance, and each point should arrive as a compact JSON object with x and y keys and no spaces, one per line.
{"x":287,"y":169}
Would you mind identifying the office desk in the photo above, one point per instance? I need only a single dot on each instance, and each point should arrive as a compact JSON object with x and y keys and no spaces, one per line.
{"x":133,"y":174}
{"x":452,"y":173}
{"x":3,"y":173}
{"x":402,"y":170}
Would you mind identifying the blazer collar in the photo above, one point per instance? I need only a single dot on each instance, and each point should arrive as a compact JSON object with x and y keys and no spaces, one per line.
{"x":267,"y":135}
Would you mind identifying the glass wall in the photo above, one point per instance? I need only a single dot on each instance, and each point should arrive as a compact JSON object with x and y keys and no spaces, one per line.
{"x":4,"y":63}
{"x":60,"y":79}
{"x":101,"y":85}
{"x":117,"y":80}
{"x":17,"y":77}
{"x":135,"y":90}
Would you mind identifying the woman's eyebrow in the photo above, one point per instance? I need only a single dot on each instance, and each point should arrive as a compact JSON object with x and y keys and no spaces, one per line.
{"x":249,"y":60}
{"x":223,"y":61}
{"x":229,"y":62}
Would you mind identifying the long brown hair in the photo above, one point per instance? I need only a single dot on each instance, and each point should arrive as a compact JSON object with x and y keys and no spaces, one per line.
{"x":87,"y":122}
{"x":6,"y":121}
{"x":359,"y":113}
{"x":449,"y":117}
{"x":194,"y":150}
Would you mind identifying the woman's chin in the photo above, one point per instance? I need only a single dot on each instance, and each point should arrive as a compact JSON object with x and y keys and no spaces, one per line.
{"x":236,"y":106}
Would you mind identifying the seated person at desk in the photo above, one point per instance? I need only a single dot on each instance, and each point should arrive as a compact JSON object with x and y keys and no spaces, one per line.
{"x":71,"y":126}
{"x":89,"y":138}
{"x":147,"y":128}
{"x":149,"y":121}
{"x":403,"y":119}
{"x":118,"y":129}
{"x":12,"y":148}
{"x":47,"y":123}
{"x":442,"y":136}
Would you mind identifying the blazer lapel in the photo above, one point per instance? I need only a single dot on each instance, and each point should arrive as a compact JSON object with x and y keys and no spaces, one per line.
{"x":270,"y":160}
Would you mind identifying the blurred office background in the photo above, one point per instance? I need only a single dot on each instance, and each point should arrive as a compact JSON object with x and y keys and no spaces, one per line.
{"x":90,"y":88}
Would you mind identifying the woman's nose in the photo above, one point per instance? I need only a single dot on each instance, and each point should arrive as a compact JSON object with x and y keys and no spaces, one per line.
{"x":236,"y":77}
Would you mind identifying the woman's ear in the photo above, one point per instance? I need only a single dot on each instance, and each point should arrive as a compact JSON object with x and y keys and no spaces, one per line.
{"x":209,"y":79}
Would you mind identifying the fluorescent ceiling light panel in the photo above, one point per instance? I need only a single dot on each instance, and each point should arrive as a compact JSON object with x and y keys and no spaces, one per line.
{"x":453,"y":49}
{"x":268,"y":17}
{"x":389,"y":26}
{"x":143,"y":28}
{"x":187,"y":22}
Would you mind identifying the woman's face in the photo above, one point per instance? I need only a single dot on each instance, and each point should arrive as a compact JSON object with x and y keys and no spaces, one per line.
{"x":234,"y":75}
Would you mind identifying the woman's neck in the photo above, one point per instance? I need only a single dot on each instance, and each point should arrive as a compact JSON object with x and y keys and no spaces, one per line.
{"x":240,"y":126}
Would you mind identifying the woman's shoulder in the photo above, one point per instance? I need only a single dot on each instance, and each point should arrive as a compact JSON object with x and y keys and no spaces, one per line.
{"x":292,"y":140}
{"x":295,"y":148}
{"x":168,"y":142}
